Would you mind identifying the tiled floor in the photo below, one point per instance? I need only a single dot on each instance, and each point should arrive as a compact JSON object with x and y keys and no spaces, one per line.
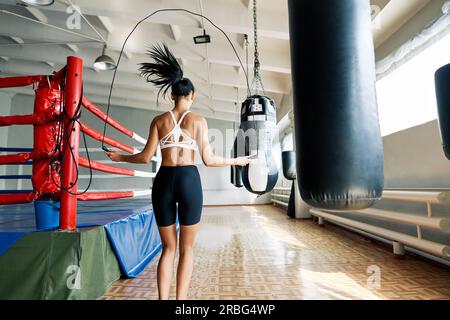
{"x":258,"y":253}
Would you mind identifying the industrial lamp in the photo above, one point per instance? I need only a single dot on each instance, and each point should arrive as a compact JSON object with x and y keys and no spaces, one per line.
{"x":204,"y":38}
{"x":39,"y":2}
{"x":104,"y":62}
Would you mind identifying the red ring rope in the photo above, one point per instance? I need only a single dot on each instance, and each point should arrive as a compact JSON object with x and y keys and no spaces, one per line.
{"x":12,"y":82}
{"x":112,"y":142}
{"x":16,"y":158}
{"x":17,"y":198}
{"x":104,"y":167}
{"x":99,"y":113}
{"x":92,"y":196}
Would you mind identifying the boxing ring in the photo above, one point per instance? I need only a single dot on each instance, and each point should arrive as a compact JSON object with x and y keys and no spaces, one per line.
{"x":57,"y":242}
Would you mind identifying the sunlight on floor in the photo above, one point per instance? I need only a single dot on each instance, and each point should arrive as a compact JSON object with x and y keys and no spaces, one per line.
{"x":334,"y":285}
{"x":259,"y":253}
{"x":277,"y":233}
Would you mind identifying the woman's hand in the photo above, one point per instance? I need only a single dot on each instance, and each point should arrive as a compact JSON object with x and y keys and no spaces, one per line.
{"x":242,"y":161}
{"x":114,"y":156}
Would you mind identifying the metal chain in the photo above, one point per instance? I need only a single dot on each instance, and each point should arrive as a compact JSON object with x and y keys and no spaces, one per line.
{"x":257,"y":81}
{"x":255,"y":30}
{"x":246,"y":44}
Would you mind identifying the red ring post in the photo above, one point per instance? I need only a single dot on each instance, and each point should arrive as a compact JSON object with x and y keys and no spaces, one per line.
{"x":74,"y":76}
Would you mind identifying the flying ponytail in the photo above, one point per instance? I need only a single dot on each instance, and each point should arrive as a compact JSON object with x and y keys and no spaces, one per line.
{"x":165,"y":72}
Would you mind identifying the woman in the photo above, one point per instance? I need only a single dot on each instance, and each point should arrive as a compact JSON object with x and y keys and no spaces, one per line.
{"x":179,"y":133}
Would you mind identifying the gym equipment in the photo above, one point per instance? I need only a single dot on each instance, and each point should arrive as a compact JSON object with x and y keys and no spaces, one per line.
{"x":236,"y":171}
{"x":291,"y":204}
{"x":288,"y":160}
{"x":50,"y":135}
{"x":337,"y":127}
{"x":115,"y":231}
{"x":289,"y":172}
{"x":255,"y":138}
{"x":442,"y":79}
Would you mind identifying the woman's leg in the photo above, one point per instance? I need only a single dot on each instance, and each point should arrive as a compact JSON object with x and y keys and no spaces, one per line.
{"x":165,"y":265}
{"x":186,"y":262}
{"x":190,"y":202}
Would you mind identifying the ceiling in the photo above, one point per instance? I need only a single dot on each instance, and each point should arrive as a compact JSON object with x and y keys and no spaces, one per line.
{"x":37,"y":40}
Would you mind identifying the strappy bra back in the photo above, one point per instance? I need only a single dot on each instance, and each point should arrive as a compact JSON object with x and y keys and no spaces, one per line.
{"x":177,"y":138}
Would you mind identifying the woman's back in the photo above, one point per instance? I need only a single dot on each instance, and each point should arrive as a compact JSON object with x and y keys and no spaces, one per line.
{"x":177,"y":148}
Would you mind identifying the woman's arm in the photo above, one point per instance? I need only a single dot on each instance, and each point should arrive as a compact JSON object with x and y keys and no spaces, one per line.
{"x":143,"y":157}
{"x":207,"y":154}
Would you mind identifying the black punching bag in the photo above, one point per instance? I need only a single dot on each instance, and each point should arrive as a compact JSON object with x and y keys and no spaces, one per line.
{"x":288,"y":160}
{"x":258,"y":125}
{"x":339,"y":145}
{"x":291,"y":204}
{"x":289,"y":172}
{"x":443,"y":101}
{"x":236,"y":171}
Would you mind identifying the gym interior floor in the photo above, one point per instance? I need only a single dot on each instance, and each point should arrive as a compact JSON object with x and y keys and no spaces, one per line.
{"x":259,"y":253}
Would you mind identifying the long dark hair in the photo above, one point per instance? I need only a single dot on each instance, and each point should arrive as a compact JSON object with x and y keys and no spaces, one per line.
{"x":165,"y":72}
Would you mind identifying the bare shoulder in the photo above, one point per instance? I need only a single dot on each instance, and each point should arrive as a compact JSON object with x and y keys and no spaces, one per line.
{"x":197,"y":119}
{"x":157,"y":121}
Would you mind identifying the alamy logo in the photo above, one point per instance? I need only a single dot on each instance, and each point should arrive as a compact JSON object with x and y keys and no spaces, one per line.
{"x":74,"y":279}
{"x":374,"y":279}
{"x":73,"y":22}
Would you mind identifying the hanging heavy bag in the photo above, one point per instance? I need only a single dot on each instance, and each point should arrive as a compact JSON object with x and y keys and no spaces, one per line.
{"x":289,"y":172}
{"x":442,"y":79}
{"x":258,"y":124}
{"x":336,"y":117}
{"x":236,"y":171}
{"x":288,"y":160}
{"x":291,"y":204}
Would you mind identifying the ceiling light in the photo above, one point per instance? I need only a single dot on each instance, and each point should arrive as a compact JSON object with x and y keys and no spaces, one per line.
{"x":204,"y":38}
{"x":39,"y":2}
{"x":104,"y":62}
{"x":446,"y":7}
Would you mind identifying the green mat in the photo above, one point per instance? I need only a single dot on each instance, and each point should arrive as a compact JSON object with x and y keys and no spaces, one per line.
{"x":59,"y":265}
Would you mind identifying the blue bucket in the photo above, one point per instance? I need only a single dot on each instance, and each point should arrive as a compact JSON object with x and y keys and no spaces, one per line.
{"x":46,"y":214}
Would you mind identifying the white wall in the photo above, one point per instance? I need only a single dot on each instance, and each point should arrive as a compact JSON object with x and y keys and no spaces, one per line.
{"x":414,"y":159}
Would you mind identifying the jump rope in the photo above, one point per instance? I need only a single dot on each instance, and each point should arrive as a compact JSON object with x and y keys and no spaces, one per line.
{"x":131,"y":33}
{"x":57,"y":157}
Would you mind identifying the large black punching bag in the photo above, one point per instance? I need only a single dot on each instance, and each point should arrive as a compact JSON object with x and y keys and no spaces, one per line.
{"x":442,"y":79}
{"x":339,"y":146}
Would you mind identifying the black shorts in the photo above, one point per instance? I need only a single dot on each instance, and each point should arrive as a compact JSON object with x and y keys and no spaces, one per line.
{"x":177,"y":185}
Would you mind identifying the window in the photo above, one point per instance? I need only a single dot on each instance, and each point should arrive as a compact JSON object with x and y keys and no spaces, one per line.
{"x":406,"y":97}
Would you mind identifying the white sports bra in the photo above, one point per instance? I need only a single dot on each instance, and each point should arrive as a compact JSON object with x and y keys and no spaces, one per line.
{"x":172,"y":139}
